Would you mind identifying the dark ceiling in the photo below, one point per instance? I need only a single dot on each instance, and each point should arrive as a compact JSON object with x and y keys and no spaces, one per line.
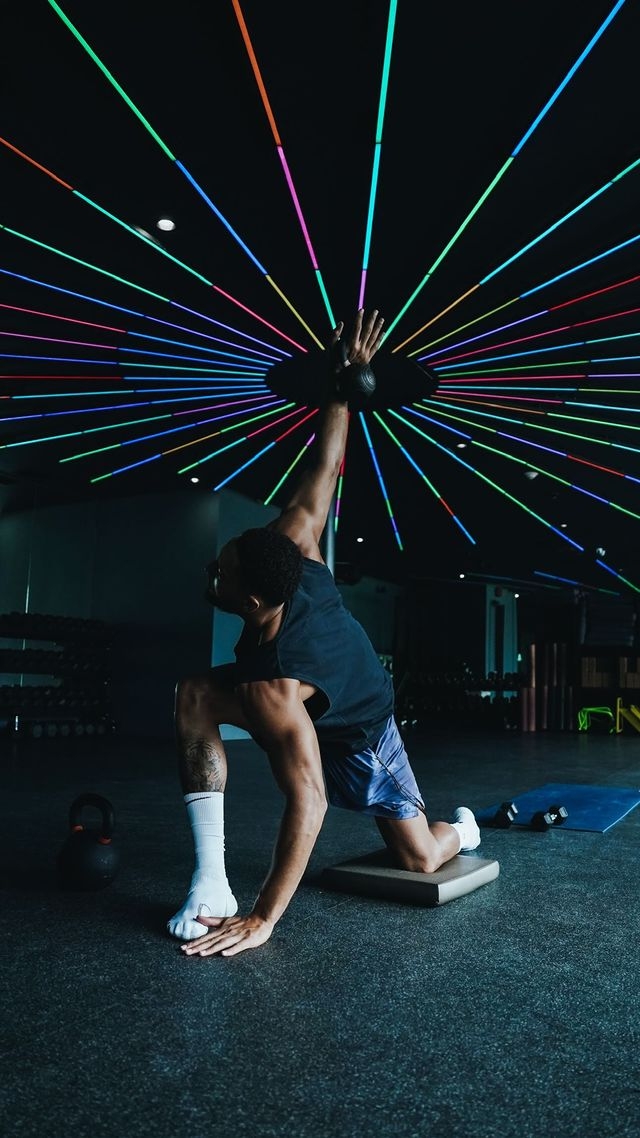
{"x":138,"y":378}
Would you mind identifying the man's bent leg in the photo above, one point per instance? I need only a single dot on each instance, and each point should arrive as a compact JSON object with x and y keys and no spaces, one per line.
{"x":202,"y":703}
{"x":418,"y":846}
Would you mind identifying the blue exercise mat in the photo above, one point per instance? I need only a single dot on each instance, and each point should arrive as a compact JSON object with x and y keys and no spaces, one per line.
{"x":596,"y":808}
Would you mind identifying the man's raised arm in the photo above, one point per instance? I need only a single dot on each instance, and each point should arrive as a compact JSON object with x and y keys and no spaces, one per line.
{"x":304,"y":517}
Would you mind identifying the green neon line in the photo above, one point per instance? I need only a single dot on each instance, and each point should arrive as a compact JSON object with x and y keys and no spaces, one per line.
{"x":450,"y":244}
{"x":235,"y":427}
{"x":384,"y":86}
{"x":82,"y":41}
{"x":88,"y":453}
{"x":141,"y":237}
{"x":286,"y":474}
{"x":400,"y":446}
{"x":213,"y":454}
{"x":462,"y":327}
{"x":489,"y":371}
{"x":325,"y":297}
{"x":85,"y":264}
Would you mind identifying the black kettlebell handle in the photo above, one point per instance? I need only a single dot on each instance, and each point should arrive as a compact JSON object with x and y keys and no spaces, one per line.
{"x":102,"y":804}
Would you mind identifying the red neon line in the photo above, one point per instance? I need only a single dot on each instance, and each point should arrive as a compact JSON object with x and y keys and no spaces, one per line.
{"x":36,"y":164}
{"x":67,"y":319}
{"x":447,"y":508}
{"x":598,"y":292}
{"x":595,"y":465}
{"x":260,"y":318}
{"x":296,"y":425}
{"x":273,"y":423}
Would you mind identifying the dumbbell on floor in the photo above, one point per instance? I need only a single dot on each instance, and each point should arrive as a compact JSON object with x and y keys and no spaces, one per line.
{"x":554,"y":816}
{"x":505,"y":815}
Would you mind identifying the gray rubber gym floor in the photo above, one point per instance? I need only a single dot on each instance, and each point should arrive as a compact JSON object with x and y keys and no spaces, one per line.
{"x":511,"y":1011}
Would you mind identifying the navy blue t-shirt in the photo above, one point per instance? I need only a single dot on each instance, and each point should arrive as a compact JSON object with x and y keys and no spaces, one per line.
{"x":320,"y":642}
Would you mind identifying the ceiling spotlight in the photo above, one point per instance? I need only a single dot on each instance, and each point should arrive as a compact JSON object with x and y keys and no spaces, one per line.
{"x":166,"y":224}
{"x":531,"y":474}
{"x":194,"y":479}
{"x":460,"y":446}
{"x":563,"y":525}
{"x":516,"y":595}
{"x":360,"y":540}
{"x":461,"y":576}
{"x":600,"y":551}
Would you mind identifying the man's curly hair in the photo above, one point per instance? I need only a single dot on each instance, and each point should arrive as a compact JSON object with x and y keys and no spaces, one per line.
{"x":270,"y":564}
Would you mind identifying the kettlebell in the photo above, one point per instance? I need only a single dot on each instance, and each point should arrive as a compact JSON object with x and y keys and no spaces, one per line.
{"x":88,"y":859}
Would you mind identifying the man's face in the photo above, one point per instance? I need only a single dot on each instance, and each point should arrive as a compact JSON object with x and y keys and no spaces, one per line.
{"x":223,"y":589}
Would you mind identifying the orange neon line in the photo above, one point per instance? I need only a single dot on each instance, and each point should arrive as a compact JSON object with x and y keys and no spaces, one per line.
{"x":256,"y":70}
{"x":36,"y":164}
{"x":434,"y":318}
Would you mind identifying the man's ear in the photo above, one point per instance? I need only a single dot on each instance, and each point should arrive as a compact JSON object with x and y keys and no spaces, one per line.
{"x":252,"y":603}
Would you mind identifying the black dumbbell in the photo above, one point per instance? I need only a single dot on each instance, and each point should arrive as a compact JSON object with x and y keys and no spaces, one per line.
{"x":554,"y":816}
{"x":505,"y":815}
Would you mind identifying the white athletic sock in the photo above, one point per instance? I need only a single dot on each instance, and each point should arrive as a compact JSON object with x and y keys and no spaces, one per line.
{"x":467,"y":827}
{"x":209,"y":892}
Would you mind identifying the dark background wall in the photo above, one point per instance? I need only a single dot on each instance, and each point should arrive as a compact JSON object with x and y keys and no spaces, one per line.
{"x":137,"y":564}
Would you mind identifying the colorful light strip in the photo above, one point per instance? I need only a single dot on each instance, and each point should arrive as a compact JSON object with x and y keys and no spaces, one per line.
{"x":489,"y":481}
{"x":517,"y":149}
{"x":179,"y":165}
{"x":377,"y":149}
{"x":424,"y":477}
{"x":280,"y":150}
{"x":381,"y":483}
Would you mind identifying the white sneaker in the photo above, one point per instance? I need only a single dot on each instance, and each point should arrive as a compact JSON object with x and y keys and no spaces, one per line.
{"x":466,"y":825}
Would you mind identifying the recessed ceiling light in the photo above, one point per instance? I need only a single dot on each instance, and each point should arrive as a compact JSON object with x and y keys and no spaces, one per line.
{"x":460,"y":446}
{"x":360,"y":540}
{"x":166,"y":224}
{"x":194,"y":479}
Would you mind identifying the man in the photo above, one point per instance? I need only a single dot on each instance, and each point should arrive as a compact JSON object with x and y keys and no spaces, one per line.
{"x":308,"y":687}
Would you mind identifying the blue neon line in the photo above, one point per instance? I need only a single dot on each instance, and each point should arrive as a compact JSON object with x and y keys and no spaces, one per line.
{"x":568,"y":76}
{"x":221,"y":217}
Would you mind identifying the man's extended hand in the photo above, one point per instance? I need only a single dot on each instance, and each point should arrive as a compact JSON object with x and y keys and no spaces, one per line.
{"x":363,"y":340}
{"x":229,"y":935}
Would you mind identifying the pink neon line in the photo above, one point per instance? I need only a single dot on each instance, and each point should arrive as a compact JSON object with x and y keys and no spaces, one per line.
{"x":503,"y":344}
{"x":100,"y":378}
{"x":513,"y":398}
{"x":57,"y":340}
{"x":231,"y":403}
{"x":363,"y":283}
{"x":67,"y":319}
{"x":445,"y":380}
{"x":296,"y":203}
{"x":260,"y":318}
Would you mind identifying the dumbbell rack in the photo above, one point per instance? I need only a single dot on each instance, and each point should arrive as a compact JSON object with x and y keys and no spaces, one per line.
{"x":55,"y":674}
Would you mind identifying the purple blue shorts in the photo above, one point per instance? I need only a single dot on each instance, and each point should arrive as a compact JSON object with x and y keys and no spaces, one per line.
{"x":378,"y":780}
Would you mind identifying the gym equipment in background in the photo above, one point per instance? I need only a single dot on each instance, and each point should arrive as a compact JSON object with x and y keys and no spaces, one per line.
{"x":88,"y":858}
{"x":593,"y":808}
